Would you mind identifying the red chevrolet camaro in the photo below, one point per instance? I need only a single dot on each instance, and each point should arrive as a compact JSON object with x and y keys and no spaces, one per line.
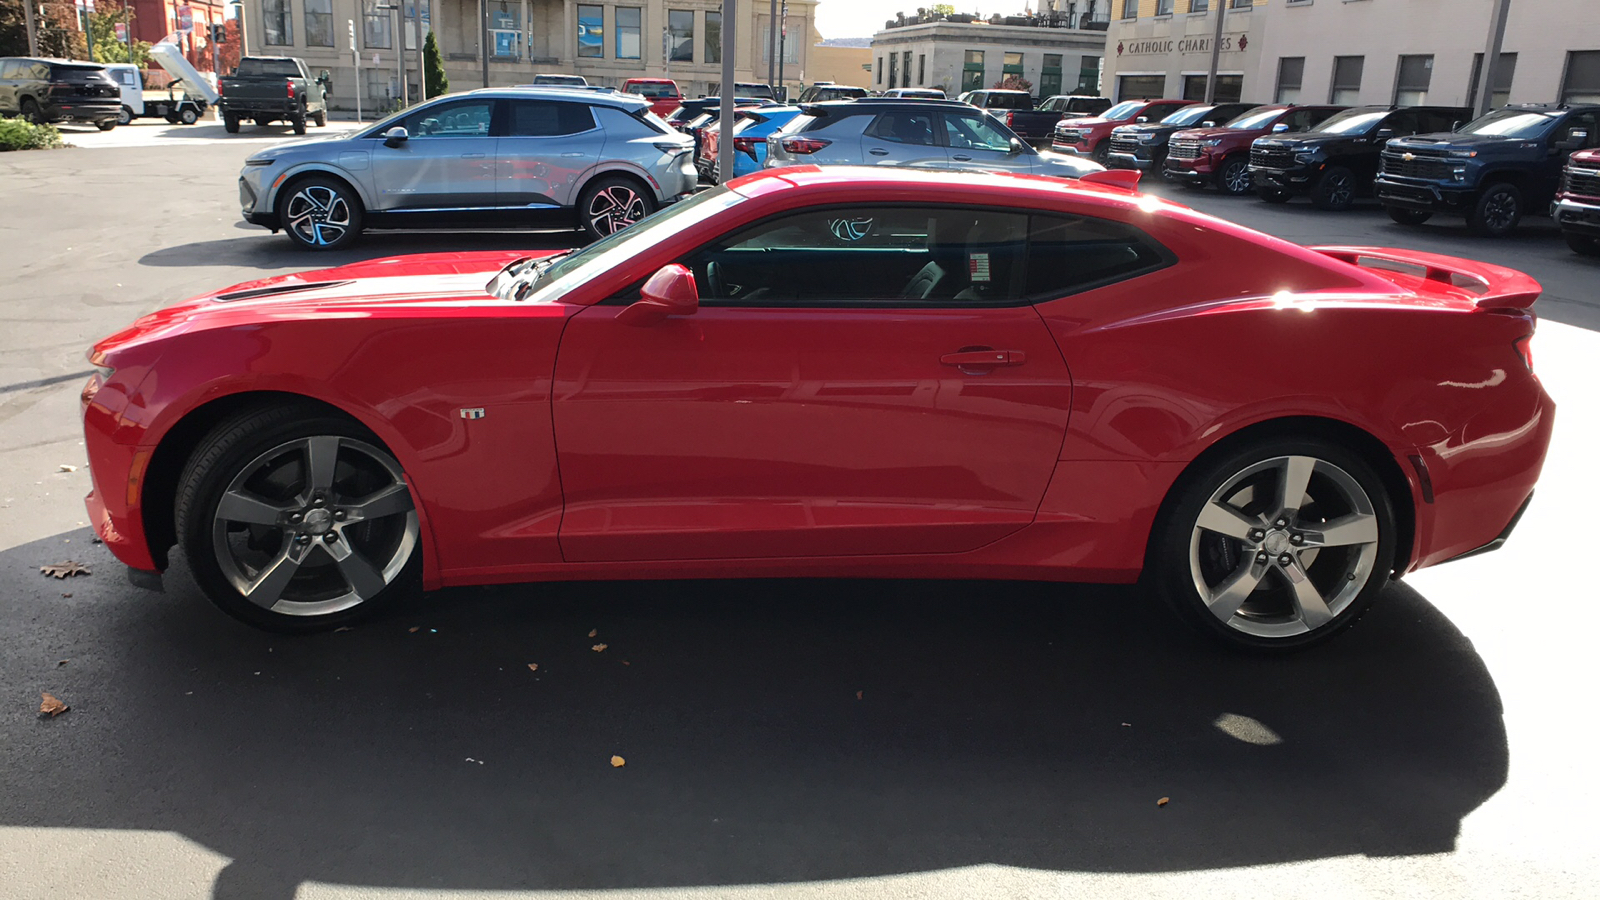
{"x":836,"y":372}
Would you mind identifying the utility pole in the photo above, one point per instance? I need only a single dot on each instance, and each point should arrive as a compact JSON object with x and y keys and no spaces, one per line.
{"x":730,"y":50}
{"x":1491,"y":56}
{"x":772,"y":44}
{"x":355,"y":63}
{"x":33,"y":29}
{"x":1216,"y":52}
{"x":783,"y":39}
{"x":422,"y":76}
{"x":483,"y":37}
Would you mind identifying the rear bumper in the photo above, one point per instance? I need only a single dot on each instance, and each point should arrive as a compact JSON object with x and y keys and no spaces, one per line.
{"x":1421,"y":195}
{"x":83,"y":110}
{"x":1504,"y":535}
{"x":1577,"y":215}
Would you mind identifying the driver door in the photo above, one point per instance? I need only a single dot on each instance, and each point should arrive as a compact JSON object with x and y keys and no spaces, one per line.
{"x":446,"y":165}
{"x":976,"y":141}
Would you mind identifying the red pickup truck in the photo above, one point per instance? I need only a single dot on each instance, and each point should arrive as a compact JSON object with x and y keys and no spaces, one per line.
{"x":1221,"y":156}
{"x":1577,"y":206}
{"x":1091,"y":136}
{"x":662,"y":93}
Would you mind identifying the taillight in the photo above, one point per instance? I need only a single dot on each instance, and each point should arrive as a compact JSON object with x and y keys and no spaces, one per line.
{"x":746,"y":145}
{"x":803,"y":145}
{"x":1011,"y":119}
{"x":291,"y":90}
{"x":1525,"y":347}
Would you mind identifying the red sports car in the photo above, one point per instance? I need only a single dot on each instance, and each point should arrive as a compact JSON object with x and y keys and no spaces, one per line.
{"x":836,"y":372}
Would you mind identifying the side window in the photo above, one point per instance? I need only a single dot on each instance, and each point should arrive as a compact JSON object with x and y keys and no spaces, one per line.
{"x":897,"y":256}
{"x":1315,"y":117}
{"x":468,"y":118}
{"x":1588,"y":122}
{"x":1068,"y":254}
{"x":8,"y":68}
{"x":964,"y":131}
{"x":1401,"y":123}
{"x":548,"y":118}
{"x":903,"y":127}
{"x":40,"y":71}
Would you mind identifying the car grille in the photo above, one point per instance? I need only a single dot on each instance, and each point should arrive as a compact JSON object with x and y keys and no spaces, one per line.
{"x":1430,"y":168}
{"x":1184,"y":148}
{"x":1068,"y":135}
{"x":1581,"y":181}
{"x":1124,"y":144}
{"x":1272,"y":158}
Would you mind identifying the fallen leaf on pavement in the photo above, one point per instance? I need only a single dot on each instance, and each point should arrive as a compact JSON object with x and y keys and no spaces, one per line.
{"x":69,"y":468}
{"x":626,"y":663}
{"x":414,"y":629}
{"x":65,"y":569}
{"x":62,"y":663}
{"x":1163,"y":801}
{"x":598,"y":647}
{"x":593,"y":632}
{"x":858,"y":695}
{"x":51,"y":707}
{"x":618,"y":762}
{"x":533,"y":667}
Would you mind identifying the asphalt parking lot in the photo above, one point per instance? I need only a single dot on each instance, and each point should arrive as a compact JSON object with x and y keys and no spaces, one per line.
{"x":783,"y":739}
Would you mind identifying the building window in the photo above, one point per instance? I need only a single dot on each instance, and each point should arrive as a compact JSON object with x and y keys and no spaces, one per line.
{"x":922,"y":68}
{"x":319,"y":23}
{"x":1011,"y":64}
{"x":629,"y":23}
{"x":1140,"y":87}
{"x":972,"y":71}
{"x":1050,"y":76}
{"x":1163,"y":7}
{"x":680,"y":32}
{"x":377,"y":30}
{"x":1412,"y":80}
{"x":1241,"y":4}
{"x":505,"y":33}
{"x":1291,"y":71}
{"x":1346,"y":80}
{"x":713,"y":37}
{"x":1581,"y":83}
{"x":894,"y":65}
{"x":878,"y":73}
{"x":1229,"y":88}
{"x":1199,"y":6}
{"x":1500,"y":92}
{"x":277,"y":23}
{"x":791,"y":48}
{"x":591,"y":31}
{"x":1130,"y":9}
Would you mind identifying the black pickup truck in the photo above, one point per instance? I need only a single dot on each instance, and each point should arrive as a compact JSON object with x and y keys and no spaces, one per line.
{"x":1493,"y":170}
{"x":1015,"y":108}
{"x":1337,"y":160}
{"x":1143,"y":146}
{"x":269,"y":89}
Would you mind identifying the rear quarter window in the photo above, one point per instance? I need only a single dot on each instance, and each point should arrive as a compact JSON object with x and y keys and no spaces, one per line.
{"x":1068,"y":254}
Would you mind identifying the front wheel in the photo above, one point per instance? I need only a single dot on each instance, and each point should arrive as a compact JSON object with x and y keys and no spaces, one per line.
{"x":1276,"y":546}
{"x":1497,"y":212}
{"x":1582,"y":244}
{"x":321,"y":118}
{"x":1336,"y":190}
{"x":1408,"y":216}
{"x":294,"y":520}
{"x":1102,"y":153}
{"x":612,"y":204}
{"x":124,"y":116}
{"x":320,"y":214}
{"x":188,"y":116}
{"x":1234,"y":177}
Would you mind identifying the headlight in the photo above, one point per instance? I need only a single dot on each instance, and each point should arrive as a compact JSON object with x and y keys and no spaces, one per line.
{"x":1463,"y":154}
{"x":1149,"y":138}
{"x":1210,"y":142}
{"x":253,"y":161}
{"x":1309,"y":156}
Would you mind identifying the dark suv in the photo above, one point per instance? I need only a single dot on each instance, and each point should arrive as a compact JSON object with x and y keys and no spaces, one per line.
{"x":1144,"y":146}
{"x":1496,"y":168}
{"x":52,"y":90}
{"x":1337,"y":160}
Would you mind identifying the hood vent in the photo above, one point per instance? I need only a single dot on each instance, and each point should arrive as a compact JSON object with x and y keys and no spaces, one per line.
{"x":253,"y":293}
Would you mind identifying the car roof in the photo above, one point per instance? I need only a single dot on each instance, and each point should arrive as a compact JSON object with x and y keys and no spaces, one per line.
{"x":56,"y":60}
{"x":649,"y":81}
{"x":861,"y":103}
{"x":560,"y":92}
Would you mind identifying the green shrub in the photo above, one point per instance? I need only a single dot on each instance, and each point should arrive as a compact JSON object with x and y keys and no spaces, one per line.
{"x":20,"y":134}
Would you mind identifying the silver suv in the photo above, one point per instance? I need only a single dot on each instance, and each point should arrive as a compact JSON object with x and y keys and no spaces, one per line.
{"x":497,"y":158}
{"x":940,"y":134}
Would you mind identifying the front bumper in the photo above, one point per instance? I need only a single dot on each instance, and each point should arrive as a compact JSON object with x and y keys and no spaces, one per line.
{"x":1577,"y":215}
{"x":1129,"y":161}
{"x":1199,"y":170}
{"x":1289,"y":181}
{"x":252,"y":198}
{"x":1410,"y":193}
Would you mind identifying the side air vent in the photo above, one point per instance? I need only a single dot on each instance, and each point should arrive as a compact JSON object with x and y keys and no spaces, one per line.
{"x":253,"y":293}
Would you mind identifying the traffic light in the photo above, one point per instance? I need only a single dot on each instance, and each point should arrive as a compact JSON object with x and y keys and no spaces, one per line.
{"x":219,"y":33}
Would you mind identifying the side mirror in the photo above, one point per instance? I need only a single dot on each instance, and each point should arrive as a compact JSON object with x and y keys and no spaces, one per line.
{"x":396,"y":136}
{"x":1208,"y":124}
{"x":1280,"y":128}
{"x":1142,"y":119}
{"x":1383,"y":134}
{"x":1574,"y":141}
{"x":669,"y":292}
{"x":1016,"y":147}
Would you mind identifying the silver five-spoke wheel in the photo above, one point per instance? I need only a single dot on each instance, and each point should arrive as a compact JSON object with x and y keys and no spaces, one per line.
{"x":611,"y":204}
{"x":318,"y":215}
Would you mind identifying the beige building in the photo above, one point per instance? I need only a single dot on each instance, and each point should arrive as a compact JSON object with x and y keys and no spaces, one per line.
{"x":838,"y":64}
{"x":606,"y":42}
{"x":1056,"y":54}
{"x":1354,"y":51}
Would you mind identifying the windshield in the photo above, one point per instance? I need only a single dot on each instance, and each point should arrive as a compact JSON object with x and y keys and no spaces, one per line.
{"x":998,"y":100}
{"x":1352,"y":121}
{"x":1514,"y":123}
{"x":1188,"y":115}
{"x":250,"y":66}
{"x":552,"y":277}
{"x":1123,"y":110}
{"x":1255,"y":121}
{"x":652,"y":90}
{"x":78,"y":73}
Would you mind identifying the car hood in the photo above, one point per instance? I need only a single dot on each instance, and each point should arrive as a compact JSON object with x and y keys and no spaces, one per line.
{"x":358,"y":289}
{"x":321,"y":147}
{"x":1201,"y":134}
{"x":1090,"y":121}
{"x":1304,"y":139}
{"x":1449,"y":140}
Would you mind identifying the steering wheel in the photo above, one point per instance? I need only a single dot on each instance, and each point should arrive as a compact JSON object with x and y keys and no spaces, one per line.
{"x":714,"y":283}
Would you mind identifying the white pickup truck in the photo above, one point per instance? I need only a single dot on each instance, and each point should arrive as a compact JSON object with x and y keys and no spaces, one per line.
{"x":184,"y":102}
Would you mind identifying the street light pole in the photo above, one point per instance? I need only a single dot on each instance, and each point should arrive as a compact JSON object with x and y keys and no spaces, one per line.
{"x":772,"y":45}
{"x":1491,"y":56}
{"x":33,"y":29}
{"x":483,"y":37}
{"x":730,"y":50}
{"x":1216,"y":52}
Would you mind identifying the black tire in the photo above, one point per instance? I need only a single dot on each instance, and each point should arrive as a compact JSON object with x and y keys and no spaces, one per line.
{"x":1185,"y":558}
{"x":29,"y":110}
{"x":1233,"y":176}
{"x":1582,"y":244}
{"x":1335,"y":190}
{"x":106,"y":125}
{"x":230,"y":124}
{"x":610,"y":203}
{"x":125,"y":116}
{"x":320,"y":592}
{"x":334,"y":209}
{"x":188,"y":115}
{"x":1497,"y":212}
{"x":263,"y":122}
{"x":299,"y":124}
{"x":1272,"y":196}
{"x":321,"y":118}
{"x":1405,"y":216}
{"x":1102,"y":153}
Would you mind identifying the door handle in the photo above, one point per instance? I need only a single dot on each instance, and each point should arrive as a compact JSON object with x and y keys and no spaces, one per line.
{"x":878,"y":151}
{"x":984,"y":358}
{"x":961,"y":157}
{"x":472,"y":156}
{"x":573,"y":155}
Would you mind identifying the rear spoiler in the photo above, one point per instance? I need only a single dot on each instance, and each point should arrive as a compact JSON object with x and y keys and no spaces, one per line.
{"x":1494,"y":287}
{"x":1127,"y":179}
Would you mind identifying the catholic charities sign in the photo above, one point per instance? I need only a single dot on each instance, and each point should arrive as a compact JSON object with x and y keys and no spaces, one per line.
{"x":1164,"y":46}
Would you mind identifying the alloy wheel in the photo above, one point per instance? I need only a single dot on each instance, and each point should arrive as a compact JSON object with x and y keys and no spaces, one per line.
{"x":1284,"y":546}
{"x":614,"y":208}
{"x":315,"y":526}
{"x":1500,"y":211}
{"x":1236,"y":177}
{"x":319,"y":215}
{"x":1340,"y":191}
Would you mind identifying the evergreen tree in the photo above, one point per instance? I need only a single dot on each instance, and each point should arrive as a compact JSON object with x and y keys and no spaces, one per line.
{"x":435,"y":80}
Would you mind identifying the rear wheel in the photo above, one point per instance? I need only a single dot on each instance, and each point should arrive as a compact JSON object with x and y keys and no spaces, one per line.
{"x":1276,"y":546}
{"x":609,"y":205}
{"x":30,"y":111}
{"x":1582,"y":243}
{"x":1408,"y":216}
{"x":188,"y":115}
{"x":230,"y":124}
{"x":263,"y":122}
{"x":299,"y":124}
{"x":1497,"y":212}
{"x":106,"y":125}
{"x":320,"y":213}
{"x":1234,"y":176}
{"x":1336,"y":190}
{"x":296,"y":520}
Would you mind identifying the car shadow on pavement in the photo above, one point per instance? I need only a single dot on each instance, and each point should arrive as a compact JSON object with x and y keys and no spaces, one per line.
{"x":772,"y":732}
{"x":263,"y":250}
